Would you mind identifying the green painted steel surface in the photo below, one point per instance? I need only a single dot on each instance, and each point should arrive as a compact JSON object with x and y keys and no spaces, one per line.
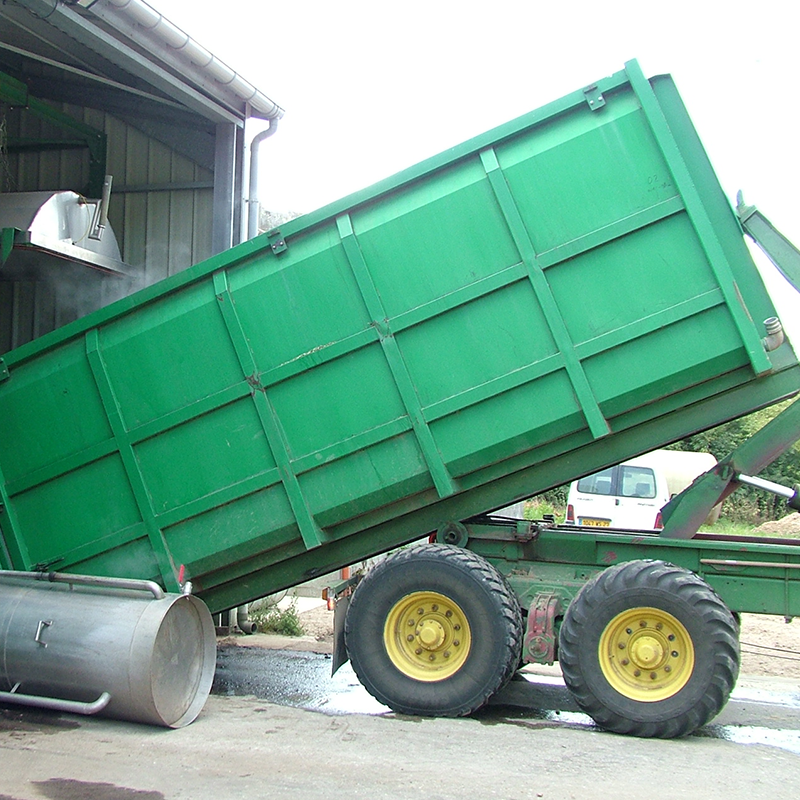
{"x":554,"y":296}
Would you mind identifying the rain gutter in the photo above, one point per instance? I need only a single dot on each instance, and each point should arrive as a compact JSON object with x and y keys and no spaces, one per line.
{"x":116,"y":52}
{"x":150,"y":29}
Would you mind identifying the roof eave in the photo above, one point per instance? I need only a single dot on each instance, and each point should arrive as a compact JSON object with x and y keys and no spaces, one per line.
{"x":151,"y":30}
{"x":179,"y":67}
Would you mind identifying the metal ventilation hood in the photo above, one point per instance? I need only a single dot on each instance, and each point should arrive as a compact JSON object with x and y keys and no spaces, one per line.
{"x":46,"y":235}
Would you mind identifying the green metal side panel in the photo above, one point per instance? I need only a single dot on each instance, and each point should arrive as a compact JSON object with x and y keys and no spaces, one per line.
{"x":750,"y":575}
{"x":558,"y":294}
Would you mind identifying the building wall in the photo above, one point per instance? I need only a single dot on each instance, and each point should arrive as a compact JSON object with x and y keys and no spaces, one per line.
{"x":159,"y":232}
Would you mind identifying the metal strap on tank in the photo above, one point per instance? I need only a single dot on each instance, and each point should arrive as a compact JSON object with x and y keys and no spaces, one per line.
{"x":310,"y":531}
{"x":555,"y":322}
{"x":699,"y":217}
{"x":442,"y":479}
{"x":124,"y":443}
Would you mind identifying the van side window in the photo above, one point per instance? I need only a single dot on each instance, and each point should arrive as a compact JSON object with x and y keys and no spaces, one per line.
{"x":638,"y":482}
{"x":599,"y":483}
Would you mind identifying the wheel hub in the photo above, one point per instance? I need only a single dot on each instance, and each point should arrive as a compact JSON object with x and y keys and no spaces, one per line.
{"x":427,"y":636}
{"x":646,"y":654}
{"x":431,"y":634}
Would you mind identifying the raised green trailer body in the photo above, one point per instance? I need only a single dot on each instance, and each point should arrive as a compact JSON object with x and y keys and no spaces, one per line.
{"x":558,"y":294}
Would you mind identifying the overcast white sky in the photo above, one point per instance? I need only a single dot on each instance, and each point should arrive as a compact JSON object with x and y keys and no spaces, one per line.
{"x":371,"y":87}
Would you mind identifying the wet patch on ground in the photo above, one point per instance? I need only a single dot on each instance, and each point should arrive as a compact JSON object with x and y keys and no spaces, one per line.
{"x":67,"y":789}
{"x":23,"y":719}
{"x":301,"y":679}
{"x":292,"y":678}
{"x":753,"y":734}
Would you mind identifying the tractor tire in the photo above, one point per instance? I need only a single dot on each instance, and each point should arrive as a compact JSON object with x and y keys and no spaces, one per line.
{"x":434,"y":631}
{"x":649,"y":649}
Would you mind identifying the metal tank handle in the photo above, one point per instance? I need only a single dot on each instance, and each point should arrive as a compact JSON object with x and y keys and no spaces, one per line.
{"x":43,"y":623}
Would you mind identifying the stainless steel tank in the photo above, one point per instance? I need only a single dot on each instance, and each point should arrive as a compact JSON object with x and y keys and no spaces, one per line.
{"x":88,"y":645}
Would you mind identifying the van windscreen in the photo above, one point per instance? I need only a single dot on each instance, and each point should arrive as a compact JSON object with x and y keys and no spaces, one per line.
{"x":638,"y":482}
{"x":599,"y":483}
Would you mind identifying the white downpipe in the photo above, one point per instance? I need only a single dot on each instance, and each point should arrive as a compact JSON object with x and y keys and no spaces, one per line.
{"x":252,"y":202}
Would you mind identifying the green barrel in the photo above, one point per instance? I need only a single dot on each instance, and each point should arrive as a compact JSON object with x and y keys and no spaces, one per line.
{"x":556,"y":295}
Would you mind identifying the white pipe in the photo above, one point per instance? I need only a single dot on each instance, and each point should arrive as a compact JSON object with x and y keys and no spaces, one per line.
{"x":767,"y":486}
{"x":56,"y":704}
{"x":252,"y":202}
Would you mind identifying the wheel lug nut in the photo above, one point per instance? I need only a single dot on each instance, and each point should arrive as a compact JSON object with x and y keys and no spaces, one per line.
{"x":410,"y":637}
{"x":674,"y":653}
{"x":668,"y":668}
{"x":622,"y":645}
{"x":456,"y":642}
{"x":628,"y":631}
{"x":420,"y":611}
{"x":653,"y":676}
{"x":637,"y":672}
{"x":625,"y":662}
{"x":643,"y":624}
{"x":448,"y":613}
{"x":456,"y":627}
{"x":659,"y":626}
{"x":671,"y":637}
{"x":447,"y":654}
{"x":431,"y":657}
{"x":434,"y":607}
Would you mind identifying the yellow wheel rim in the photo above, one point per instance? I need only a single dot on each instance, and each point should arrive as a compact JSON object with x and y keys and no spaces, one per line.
{"x":427,"y":636}
{"x":646,"y":654}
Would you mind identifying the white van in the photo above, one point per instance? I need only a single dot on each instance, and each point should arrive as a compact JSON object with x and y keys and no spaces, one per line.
{"x":631,"y":495}
{"x":628,"y":496}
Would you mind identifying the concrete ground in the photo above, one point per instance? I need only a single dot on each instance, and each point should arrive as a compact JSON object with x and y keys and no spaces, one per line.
{"x":245,"y":747}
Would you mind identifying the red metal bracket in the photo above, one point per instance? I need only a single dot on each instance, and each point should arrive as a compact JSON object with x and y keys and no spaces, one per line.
{"x":540,"y":636}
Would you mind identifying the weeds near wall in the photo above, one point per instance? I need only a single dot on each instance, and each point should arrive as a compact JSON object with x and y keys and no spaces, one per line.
{"x":271,"y":619}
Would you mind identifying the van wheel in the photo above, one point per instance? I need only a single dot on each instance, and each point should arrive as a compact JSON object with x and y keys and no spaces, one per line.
{"x":434,"y":631}
{"x":649,"y":649}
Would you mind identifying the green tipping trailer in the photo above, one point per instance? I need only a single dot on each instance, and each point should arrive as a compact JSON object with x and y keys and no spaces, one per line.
{"x":556,"y":295}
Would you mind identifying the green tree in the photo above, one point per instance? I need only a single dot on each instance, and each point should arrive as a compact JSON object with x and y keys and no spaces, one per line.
{"x":749,"y":505}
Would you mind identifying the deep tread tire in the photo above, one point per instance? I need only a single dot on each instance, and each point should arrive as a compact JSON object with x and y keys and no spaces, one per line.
{"x":475,"y":587}
{"x":702,"y":615}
